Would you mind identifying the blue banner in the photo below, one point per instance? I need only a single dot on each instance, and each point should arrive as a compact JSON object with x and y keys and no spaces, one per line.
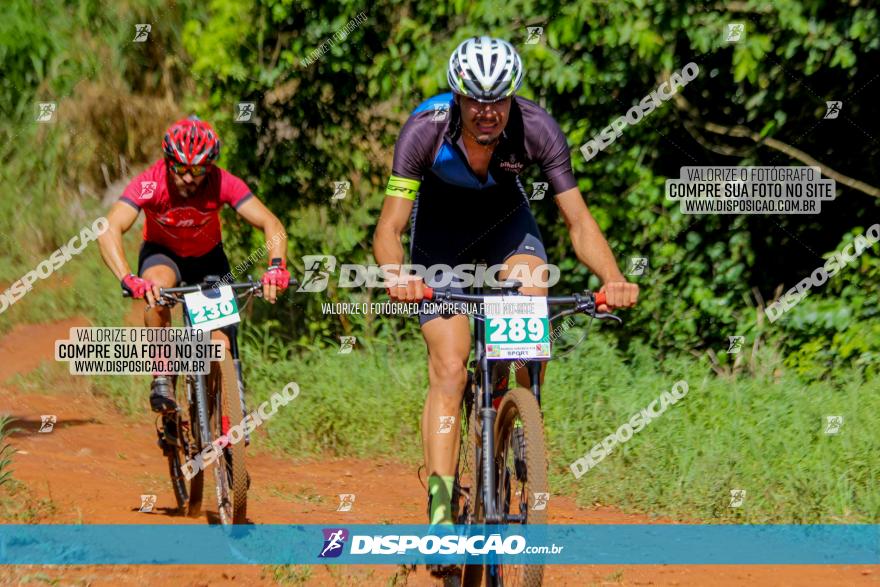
{"x":418,"y":544}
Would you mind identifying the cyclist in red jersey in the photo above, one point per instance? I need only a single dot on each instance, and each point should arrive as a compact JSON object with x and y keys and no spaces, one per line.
{"x":181,"y":196}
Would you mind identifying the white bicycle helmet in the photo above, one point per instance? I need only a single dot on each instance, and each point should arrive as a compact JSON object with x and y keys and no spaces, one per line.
{"x":485,"y":69}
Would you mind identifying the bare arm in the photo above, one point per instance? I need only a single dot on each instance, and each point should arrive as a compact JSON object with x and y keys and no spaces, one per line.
{"x":593,"y":251}
{"x":121,"y":218}
{"x":388,"y":249}
{"x":259,"y":216}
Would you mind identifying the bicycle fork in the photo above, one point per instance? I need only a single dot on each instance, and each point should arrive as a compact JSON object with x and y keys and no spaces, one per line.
{"x":201,"y":382}
{"x":488,"y":415}
{"x":201,"y":397}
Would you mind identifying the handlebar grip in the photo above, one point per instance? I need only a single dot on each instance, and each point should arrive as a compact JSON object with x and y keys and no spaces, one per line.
{"x":126,"y":293}
{"x":429,"y":293}
{"x":600,"y":298}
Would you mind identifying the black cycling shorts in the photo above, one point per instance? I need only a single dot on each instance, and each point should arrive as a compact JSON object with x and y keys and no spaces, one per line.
{"x":189,"y":270}
{"x":452,"y":226}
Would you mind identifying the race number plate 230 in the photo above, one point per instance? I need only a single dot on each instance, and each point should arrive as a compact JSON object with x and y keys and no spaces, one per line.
{"x":212,"y":309}
{"x":517,"y":327}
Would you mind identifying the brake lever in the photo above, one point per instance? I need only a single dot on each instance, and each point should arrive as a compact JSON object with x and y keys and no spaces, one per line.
{"x":603,"y":315}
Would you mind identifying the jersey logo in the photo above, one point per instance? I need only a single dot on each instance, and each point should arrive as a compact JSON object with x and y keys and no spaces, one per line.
{"x":512,"y":165}
{"x":184,"y":217}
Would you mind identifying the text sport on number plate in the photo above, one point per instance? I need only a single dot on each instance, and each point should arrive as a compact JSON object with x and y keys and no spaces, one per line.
{"x":517,"y":327}
{"x":212,"y":309}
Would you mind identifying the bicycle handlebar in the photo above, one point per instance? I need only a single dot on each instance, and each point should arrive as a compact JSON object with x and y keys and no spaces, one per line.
{"x":199,"y":287}
{"x":585,"y":303}
{"x":598,"y":298}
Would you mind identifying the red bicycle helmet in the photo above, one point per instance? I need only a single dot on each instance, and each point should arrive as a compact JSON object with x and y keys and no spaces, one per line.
{"x":191,"y":142}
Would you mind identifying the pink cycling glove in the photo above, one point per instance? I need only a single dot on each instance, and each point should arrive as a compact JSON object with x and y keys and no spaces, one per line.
{"x":136,"y":286}
{"x":277,"y":275}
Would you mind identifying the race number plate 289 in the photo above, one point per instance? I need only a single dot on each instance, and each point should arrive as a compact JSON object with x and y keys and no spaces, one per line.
{"x":212,"y":309}
{"x":517,"y":327}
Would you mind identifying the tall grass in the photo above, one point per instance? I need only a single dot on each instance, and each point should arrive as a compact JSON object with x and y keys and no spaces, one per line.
{"x":82,"y":287}
{"x":764,"y":434}
{"x":6,"y":449}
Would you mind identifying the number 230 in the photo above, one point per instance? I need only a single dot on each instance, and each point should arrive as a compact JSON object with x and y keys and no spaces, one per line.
{"x":213,"y":312}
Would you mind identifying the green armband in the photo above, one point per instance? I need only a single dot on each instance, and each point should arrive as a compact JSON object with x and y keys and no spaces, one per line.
{"x":401,"y":187}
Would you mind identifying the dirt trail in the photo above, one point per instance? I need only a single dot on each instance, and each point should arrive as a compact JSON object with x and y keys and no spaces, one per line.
{"x":94,"y":466}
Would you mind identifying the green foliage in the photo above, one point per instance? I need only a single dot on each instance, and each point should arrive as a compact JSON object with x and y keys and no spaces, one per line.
{"x":336,"y":119}
{"x":6,"y":450}
{"x":288,"y":574}
{"x":837,"y":328}
{"x":764,"y":434}
{"x":367,"y":403}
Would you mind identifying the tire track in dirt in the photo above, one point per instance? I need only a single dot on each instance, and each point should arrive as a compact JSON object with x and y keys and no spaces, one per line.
{"x":96,"y":463}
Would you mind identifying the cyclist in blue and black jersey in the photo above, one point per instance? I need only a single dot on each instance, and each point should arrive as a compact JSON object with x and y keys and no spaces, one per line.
{"x":456,"y":173}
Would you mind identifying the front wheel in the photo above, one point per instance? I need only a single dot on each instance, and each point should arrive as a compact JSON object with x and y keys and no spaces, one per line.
{"x":467,"y":499}
{"x":179,"y":440}
{"x":521,"y":474}
{"x":229,"y":469}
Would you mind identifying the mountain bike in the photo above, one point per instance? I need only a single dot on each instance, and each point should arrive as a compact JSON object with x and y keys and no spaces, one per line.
{"x":208,"y":405}
{"x":501,"y":475}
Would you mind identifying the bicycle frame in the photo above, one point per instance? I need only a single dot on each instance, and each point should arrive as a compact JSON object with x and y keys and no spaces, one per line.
{"x":200,"y":382}
{"x":487,"y":421}
{"x":488,"y":414}
{"x":485,"y":472}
